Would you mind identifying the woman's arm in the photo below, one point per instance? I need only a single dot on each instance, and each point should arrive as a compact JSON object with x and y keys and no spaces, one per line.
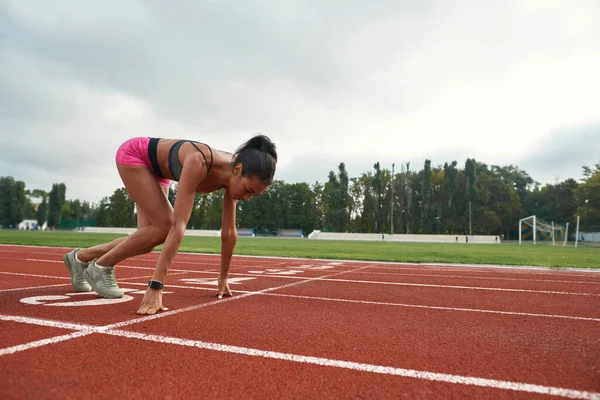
{"x":228,"y":240}
{"x":194,"y":171}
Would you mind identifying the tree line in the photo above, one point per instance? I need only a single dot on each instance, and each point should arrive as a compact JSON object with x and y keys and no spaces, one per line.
{"x":477,"y":199}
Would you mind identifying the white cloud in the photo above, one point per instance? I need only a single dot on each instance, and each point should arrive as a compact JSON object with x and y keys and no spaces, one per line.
{"x":352,"y":82}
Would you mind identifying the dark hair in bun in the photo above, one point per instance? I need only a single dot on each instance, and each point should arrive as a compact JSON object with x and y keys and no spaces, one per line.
{"x":258,"y":158}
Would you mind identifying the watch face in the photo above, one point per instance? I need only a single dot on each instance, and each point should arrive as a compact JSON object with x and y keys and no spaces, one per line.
{"x":155,"y":285}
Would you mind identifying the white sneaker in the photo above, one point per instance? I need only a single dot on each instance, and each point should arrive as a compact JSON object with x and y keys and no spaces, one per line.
{"x":103,"y":281}
{"x":76,"y":269}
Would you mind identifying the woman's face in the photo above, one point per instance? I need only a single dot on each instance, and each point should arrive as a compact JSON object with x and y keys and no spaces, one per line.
{"x":244,"y":187}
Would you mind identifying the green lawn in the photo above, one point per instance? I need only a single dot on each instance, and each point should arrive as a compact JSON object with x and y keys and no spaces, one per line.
{"x":541,"y":255}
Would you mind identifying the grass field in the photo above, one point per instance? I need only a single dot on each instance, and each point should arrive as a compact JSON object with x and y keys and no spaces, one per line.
{"x":460,"y":253}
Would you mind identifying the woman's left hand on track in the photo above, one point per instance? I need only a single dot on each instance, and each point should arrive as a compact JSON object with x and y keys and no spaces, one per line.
{"x":152,"y":302}
{"x":223,"y":288}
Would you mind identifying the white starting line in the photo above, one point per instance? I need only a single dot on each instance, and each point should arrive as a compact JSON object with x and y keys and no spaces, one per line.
{"x":85,"y":330}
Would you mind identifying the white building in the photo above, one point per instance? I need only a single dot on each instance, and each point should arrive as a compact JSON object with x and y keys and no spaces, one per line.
{"x":30,"y":224}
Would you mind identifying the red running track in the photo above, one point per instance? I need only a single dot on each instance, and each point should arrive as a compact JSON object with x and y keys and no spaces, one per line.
{"x":299,"y":329}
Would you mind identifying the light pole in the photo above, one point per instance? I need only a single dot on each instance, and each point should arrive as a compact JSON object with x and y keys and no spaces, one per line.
{"x":470,"y":233}
{"x":392,"y":212}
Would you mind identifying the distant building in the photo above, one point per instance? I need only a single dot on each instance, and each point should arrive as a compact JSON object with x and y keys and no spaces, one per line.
{"x":589,"y":237}
{"x":31,"y":225}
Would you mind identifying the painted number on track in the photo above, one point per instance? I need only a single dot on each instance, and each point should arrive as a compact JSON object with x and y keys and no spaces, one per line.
{"x":52,"y":300}
{"x":214,"y":282}
{"x":300,"y":269}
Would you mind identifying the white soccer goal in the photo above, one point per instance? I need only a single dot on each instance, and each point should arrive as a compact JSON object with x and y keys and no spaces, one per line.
{"x":536,"y":229}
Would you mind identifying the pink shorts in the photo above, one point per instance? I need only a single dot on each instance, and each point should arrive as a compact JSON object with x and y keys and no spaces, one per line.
{"x":135,"y":152}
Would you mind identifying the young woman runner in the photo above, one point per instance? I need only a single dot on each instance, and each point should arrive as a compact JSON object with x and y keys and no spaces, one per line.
{"x":147,"y":166}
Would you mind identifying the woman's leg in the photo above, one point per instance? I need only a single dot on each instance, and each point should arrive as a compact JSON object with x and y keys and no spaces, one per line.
{"x":151,"y":198}
{"x":153,"y":208}
{"x":89,"y":254}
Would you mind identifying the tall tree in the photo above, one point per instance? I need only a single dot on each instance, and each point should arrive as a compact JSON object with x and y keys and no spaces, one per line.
{"x":377,"y":183}
{"x":343,"y":198}
{"x":7,"y":189}
{"x":122,"y":209}
{"x":102,"y":212}
{"x":42,"y":211}
{"x":355,"y":199}
{"x":300,"y":212}
{"x":335,"y":200}
{"x":450,"y":187}
{"x":369,"y":203}
{"x":317,"y":204}
{"x":55,"y":204}
{"x":588,"y":199}
{"x":19,"y":202}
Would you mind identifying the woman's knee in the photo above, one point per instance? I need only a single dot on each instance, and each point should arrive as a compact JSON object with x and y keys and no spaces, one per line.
{"x":150,"y":249}
{"x":161,"y":233}
{"x":164,"y":223}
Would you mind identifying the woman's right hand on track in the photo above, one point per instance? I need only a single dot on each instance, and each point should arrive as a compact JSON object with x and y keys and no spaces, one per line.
{"x":152,"y":302}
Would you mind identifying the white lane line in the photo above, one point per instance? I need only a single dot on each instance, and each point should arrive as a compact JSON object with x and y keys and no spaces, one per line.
{"x":377,"y":282}
{"x":148,"y":277}
{"x":384,"y":303}
{"x":436,"y":307}
{"x":33,"y":275}
{"x":84,"y":330}
{"x":162,"y":314}
{"x":462,"y":287}
{"x":369,"y":273}
{"x":486,"y":268}
{"x":418,"y":284}
{"x":33,"y":287}
{"x":118,"y":266}
{"x":48,"y":322}
{"x":43,"y":260}
{"x":123,"y":266}
{"x":494,"y":268}
{"x":479,"y":277}
{"x":43,"y":342}
{"x":66,"y":284}
{"x":220,"y":301}
{"x":355,"y":366}
{"x":339,"y":300}
{"x":64,"y":277}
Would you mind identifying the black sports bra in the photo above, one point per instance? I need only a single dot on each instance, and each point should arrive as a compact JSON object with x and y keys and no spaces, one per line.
{"x":175,"y":166}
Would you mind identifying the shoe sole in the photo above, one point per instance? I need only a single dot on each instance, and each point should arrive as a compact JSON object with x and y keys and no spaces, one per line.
{"x":70,"y":268}
{"x":90,"y":281}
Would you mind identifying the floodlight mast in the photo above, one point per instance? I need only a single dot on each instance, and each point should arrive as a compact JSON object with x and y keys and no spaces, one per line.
{"x":577,"y":232}
{"x":392,"y":211}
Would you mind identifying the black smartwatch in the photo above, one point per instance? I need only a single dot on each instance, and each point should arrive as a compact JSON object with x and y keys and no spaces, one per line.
{"x":157,"y":285}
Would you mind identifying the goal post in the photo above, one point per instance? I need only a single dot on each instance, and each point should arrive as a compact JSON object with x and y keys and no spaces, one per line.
{"x":537,"y":230}
{"x":526,"y":233}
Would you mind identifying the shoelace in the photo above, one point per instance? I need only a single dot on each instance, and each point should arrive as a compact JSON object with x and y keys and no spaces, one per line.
{"x":109,"y":275}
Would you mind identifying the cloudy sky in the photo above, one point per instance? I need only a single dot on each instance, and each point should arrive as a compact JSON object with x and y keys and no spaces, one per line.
{"x":506,"y":82}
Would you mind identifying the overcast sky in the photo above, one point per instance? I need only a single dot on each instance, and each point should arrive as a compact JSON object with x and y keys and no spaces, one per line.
{"x":354,"y":81}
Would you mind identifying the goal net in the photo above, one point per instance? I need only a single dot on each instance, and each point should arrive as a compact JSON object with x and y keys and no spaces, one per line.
{"x":538,"y":230}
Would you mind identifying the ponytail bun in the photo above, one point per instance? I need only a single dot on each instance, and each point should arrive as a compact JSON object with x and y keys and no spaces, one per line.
{"x":261,"y":143}
{"x":258,"y":156}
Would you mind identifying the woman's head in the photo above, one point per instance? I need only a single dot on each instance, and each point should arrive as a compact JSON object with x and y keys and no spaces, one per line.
{"x":254,"y":166}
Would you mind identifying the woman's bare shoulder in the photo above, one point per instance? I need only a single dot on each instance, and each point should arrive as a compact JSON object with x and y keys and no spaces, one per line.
{"x":223,"y":156}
